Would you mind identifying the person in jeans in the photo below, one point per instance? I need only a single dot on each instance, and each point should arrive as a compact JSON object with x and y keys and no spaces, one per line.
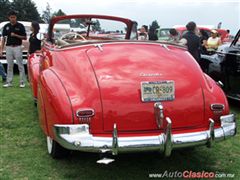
{"x":13,"y":33}
{"x":2,"y":73}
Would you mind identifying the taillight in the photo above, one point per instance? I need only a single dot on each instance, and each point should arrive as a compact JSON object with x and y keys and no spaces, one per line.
{"x":217,"y":107}
{"x":217,"y":110}
{"x":85,"y":115}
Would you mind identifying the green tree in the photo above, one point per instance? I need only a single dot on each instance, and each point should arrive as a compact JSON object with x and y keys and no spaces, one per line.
{"x":78,"y":23}
{"x":47,"y":14}
{"x":5,"y":6}
{"x":27,"y":10}
{"x":61,"y":13}
{"x":96,"y":26}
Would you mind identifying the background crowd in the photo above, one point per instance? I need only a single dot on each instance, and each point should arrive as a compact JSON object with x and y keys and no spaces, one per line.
{"x":196,"y":40}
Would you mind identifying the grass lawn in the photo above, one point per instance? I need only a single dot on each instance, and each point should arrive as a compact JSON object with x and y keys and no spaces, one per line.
{"x":23,"y":152}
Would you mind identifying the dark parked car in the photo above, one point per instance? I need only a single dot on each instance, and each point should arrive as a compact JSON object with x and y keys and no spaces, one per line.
{"x":225,"y":67}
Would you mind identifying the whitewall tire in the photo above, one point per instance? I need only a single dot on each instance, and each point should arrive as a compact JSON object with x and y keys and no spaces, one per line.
{"x":55,"y":150}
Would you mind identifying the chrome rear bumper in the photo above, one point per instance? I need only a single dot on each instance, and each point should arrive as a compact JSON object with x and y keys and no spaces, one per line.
{"x":78,"y":137}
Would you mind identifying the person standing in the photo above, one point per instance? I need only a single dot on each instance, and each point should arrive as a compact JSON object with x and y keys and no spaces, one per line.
{"x":34,"y":42}
{"x":13,"y":33}
{"x":213,"y":42}
{"x":203,"y":40}
{"x":152,"y":34}
{"x":173,"y":36}
{"x":192,"y":40}
{"x":143,"y":34}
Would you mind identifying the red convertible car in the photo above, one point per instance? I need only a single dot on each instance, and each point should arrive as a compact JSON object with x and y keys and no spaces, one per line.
{"x":100,"y":94}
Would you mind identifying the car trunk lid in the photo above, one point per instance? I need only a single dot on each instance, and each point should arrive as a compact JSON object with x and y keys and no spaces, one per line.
{"x":121,"y":68}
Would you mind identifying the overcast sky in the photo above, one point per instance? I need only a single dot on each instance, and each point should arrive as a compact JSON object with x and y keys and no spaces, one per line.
{"x":166,"y":12}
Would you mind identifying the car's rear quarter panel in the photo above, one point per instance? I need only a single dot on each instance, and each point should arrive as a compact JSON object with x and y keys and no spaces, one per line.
{"x":56,"y":104}
{"x":33,"y":71}
{"x":70,"y":85}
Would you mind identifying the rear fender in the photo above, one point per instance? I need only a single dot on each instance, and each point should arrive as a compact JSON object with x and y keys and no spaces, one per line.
{"x":41,"y":110}
{"x":58,"y":108}
{"x":213,"y":94}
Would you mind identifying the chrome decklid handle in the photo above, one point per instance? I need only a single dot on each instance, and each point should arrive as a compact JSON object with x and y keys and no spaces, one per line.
{"x":159,"y":116}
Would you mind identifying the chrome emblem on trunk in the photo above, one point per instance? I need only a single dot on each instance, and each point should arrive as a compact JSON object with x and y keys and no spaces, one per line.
{"x":149,"y":74}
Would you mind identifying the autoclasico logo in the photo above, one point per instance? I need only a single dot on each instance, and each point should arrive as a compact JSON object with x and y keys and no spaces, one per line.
{"x":191,"y":174}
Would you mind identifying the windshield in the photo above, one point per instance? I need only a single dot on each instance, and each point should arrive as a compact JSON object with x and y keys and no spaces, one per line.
{"x":164,"y":32}
{"x":79,"y":30}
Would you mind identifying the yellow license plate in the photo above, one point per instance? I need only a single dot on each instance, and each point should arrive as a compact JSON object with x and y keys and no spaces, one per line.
{"x":157,"y":91}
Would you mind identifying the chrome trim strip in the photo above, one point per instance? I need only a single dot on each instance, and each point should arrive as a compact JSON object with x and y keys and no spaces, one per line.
{"x":78,"y":137}
{"x":90,"y":44}
{"x":220,"y":84}
{"x":99,"y":46}
{"x":234,"y":98}
{"x":165,"y":46}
